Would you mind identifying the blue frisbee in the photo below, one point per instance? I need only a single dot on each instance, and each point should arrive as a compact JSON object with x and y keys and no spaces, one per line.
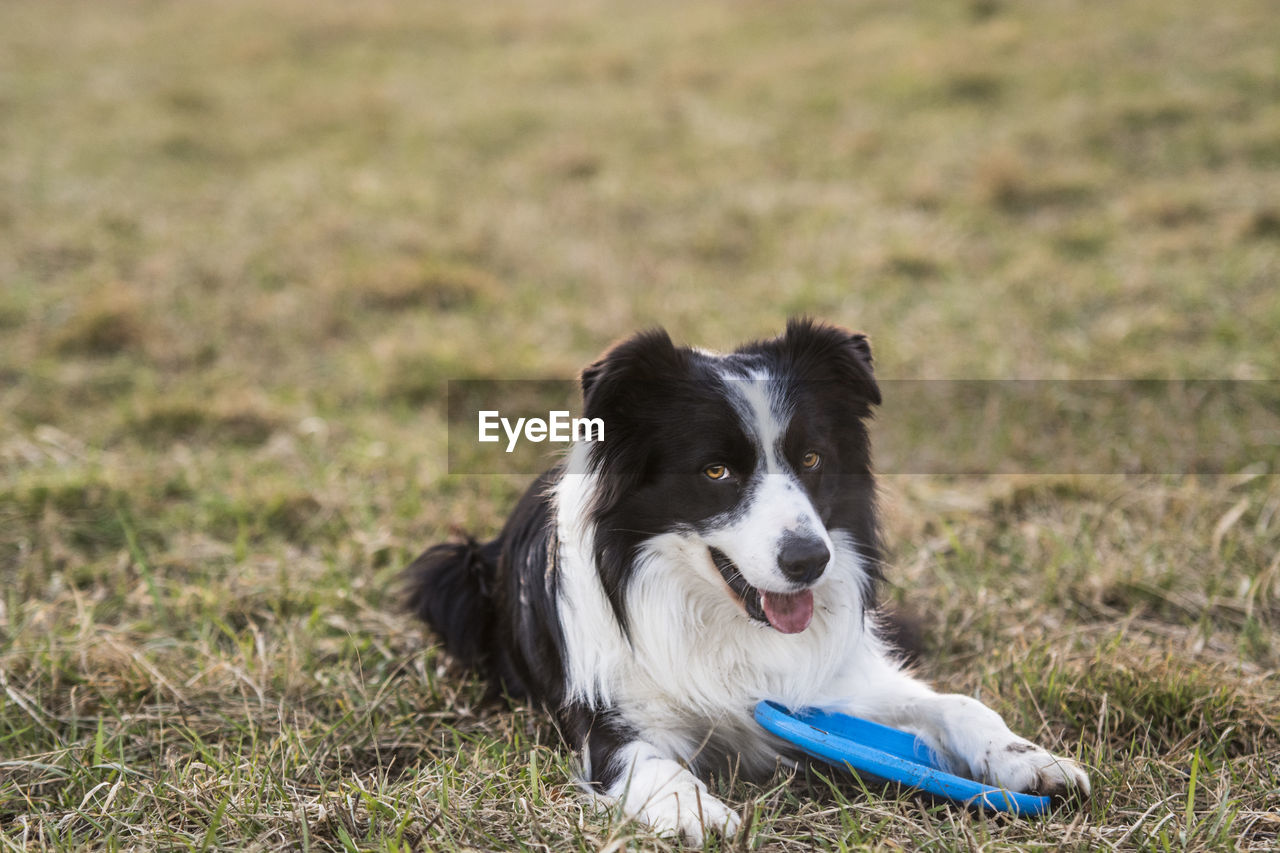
{"x":894,"y":756}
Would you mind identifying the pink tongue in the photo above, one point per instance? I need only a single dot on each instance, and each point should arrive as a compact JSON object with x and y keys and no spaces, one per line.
{"x":791,"y":612}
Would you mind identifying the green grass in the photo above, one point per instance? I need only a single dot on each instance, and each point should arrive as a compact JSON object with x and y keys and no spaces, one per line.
{"x":244,"y":246}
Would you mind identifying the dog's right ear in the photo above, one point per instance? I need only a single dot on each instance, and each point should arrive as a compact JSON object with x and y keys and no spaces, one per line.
{"x":618,"y":377}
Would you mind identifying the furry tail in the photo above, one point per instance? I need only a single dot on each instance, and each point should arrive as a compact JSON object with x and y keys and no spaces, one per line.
{"x":450,"y":587}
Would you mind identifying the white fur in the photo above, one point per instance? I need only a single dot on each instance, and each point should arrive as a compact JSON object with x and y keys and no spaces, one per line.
{"x":760,"y":411}
{"x":696,"y":665}
{"x":665,"y":796}
{"x":779,"y":507}
{"x":595,"y":649}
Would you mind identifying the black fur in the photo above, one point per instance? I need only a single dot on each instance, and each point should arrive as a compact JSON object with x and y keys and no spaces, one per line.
{"x":494,"y":604}
{"x":450,"y":588}
{"x":760,"y":481}
{"x":648,"y":393}
{"x":599,"y":734}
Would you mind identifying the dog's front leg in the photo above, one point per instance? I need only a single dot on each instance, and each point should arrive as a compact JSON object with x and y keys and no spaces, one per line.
{"x":971,"y":737}
{"x":623,"y":770}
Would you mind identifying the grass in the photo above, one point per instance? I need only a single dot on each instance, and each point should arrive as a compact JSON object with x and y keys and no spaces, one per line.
{"x":243,"y":248}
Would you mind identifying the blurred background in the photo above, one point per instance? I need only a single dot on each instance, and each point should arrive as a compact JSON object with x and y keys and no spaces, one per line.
{"x":243,"y":247}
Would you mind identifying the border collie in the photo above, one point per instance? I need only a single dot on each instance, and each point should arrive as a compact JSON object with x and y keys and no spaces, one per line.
{"x":718,"y":547}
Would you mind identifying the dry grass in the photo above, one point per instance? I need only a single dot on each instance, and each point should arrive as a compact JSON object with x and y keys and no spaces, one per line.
{"x":242,"y":248}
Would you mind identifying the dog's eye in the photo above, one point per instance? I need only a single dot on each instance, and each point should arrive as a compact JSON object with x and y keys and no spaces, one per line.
{"x":716,"y":472}
{"x":812,"y":459}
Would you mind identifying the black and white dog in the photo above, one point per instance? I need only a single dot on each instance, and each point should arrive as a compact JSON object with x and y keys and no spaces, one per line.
{"x":717,"y":548}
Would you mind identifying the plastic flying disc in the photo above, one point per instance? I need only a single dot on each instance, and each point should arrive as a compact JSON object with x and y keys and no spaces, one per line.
{"x":888,"y":754}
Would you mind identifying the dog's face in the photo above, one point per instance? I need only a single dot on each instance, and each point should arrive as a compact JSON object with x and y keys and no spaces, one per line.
{"x":758,"y":459}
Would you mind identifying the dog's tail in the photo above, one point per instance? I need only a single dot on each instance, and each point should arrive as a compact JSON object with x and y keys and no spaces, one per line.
{"x":450,"y":587}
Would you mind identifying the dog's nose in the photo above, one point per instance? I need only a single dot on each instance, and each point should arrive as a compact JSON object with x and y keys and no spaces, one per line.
{"x":803,"y":559}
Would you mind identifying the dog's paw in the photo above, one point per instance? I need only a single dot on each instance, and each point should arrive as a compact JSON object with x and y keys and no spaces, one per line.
{"x":691,"y":814}
{"x":975,"y":739}
{"x":672,"y":801}
{"x":1020,"y":765}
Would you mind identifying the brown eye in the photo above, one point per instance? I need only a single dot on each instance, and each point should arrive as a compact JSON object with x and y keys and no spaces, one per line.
{"x":716,"y":472}
{"x":811,"y":460}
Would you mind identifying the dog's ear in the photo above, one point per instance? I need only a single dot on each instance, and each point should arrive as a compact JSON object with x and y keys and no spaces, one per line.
{"x":619,"y":376}
{"x":823,"y":351}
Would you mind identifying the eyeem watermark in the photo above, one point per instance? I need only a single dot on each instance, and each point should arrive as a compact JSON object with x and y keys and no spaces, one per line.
{"x":943,"y":427}
{"x":558,"y":427}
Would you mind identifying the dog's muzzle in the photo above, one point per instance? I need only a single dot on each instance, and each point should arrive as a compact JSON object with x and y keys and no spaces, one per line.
{"x":788,"y":612}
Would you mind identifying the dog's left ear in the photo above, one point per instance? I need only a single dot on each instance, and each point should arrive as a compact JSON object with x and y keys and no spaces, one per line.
{"x":823,"y":351}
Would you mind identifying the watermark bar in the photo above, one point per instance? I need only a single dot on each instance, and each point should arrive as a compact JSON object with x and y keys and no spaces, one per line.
{"x":944,"y":427}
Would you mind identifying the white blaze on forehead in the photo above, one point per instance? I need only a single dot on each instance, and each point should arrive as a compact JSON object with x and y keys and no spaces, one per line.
{"x":754,"y":397}
{"x":776,"y":504}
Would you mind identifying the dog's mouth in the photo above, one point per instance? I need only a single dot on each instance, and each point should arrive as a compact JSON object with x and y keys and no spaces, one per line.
{"x":788,"y":612}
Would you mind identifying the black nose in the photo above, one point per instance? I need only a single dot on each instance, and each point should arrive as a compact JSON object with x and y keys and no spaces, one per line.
{"x":803,"y":559}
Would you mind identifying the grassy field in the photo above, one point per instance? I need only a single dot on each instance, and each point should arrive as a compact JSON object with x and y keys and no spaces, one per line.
{"x":244,"y":245}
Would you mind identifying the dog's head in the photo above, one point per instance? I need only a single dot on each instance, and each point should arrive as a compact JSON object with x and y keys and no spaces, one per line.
{"x":758,"y":460}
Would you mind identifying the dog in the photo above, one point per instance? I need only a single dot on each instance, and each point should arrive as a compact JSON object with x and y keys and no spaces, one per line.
{"x":717,"y":548}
